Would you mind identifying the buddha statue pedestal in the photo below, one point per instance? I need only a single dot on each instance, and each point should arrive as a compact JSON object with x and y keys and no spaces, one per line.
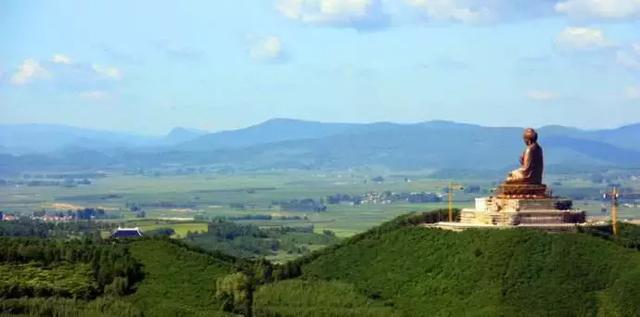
{"x":522,"y":200}
{"x":523,"y":205}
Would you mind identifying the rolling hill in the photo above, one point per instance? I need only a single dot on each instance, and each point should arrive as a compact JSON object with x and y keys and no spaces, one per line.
{"x":404,"y":270}
{"x":271,"y":131}
{"x":177,"y":281}
{"x":395,"y":269}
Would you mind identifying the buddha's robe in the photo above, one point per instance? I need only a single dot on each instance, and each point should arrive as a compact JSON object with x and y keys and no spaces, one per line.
{"x":531,"y":167}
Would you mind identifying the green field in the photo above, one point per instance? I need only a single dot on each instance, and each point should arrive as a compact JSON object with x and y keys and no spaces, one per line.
{"x":184,"y":197}
{"x":211,"y":196}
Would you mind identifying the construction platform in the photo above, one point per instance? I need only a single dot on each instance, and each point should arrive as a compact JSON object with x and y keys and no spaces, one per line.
{"x":521,"y":206}
{"x":554,"y":227}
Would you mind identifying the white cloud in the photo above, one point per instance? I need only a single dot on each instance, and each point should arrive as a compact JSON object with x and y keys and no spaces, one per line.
{"x":94,"y":95}
{"x":27,"y":72}
{"x":581,"y":38}
{"x":599,"y":9}
{"x":61,"y":59}
{"x":267,"y":49}
{"x":629,"y":58}
{"x":354,"y":13}
{"x":465,"y":11}
{"x":107,"y":71}
{"x":541,"y":95}
{"x":632,"y":92}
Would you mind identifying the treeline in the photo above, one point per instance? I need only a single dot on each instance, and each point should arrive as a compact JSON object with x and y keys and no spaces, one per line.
{"x":235,"y":239}
{"x":249,"y":217}
{"x":113,"y":270}
{"x":78,"y":214}
{"x":244,"y":240}
{"x":42,"y":229}
{"x":305,"y":205}
{"x":628,"y":234}
{"x":65,"y":175}
{"x":68,"y":307}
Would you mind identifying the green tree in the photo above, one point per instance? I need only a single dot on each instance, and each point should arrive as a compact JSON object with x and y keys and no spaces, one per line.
{"x":236,"y":292}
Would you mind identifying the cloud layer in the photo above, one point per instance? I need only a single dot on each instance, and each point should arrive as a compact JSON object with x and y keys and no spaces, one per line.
{"x":29,"y":71}
{"x":359,"y":14}
{"x":362,"y":14}
{"x":599,"y":9}
{"x":471,"y":12}
{"x":107,"y":71}
{"x":61,"y":59}
{"x":88,"y":81}
{"x":581,"y":38}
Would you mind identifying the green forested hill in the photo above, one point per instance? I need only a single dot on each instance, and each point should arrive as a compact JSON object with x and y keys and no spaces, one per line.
{"x":396,"y":269}
{"x":45,"y":277}
{"x":414,"y":271}
{"x":177,"y":282}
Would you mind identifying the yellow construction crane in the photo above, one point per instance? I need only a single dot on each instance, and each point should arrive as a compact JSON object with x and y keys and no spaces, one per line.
{"x":615,"y":194}
{"x":452,"y":186}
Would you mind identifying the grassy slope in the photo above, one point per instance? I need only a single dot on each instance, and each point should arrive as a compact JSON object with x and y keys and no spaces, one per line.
{"x":425,"y":272}
{"x":316,"y":298}
{"x":177,"y":282}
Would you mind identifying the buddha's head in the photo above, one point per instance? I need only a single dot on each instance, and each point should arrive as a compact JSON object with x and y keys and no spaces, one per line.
{"x":530,"y":136}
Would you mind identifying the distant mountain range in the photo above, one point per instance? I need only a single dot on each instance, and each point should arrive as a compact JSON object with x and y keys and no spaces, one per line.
{"x":287,"y":143}
{"x":45,"y":138}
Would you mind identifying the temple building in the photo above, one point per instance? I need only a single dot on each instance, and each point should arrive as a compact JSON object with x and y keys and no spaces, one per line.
{"x":127,"y":233}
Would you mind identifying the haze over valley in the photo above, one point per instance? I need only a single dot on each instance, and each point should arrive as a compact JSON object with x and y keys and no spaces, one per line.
{"x":288,"y":143}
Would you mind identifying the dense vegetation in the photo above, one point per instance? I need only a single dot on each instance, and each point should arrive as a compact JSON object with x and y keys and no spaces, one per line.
{"x":252,"y":241}
{"x":628,"y":237}
{"x":36,"y":228}
{"x":424,"y":272}
{"x":76,"y":268}
{"x":317,"y":298}
{"x":179,"y":281}
{"x":52,"y":306}
{"x":43,"y":277}
{"x":396,"y":269}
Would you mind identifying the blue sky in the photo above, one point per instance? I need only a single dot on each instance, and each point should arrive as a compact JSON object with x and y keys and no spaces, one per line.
{"x":148,"y":66}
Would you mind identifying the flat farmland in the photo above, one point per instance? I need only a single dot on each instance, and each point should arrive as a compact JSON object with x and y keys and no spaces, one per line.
{"x":244,"y":197}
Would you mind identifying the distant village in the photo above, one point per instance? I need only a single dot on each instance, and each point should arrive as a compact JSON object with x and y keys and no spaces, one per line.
{"x":386,"y":197}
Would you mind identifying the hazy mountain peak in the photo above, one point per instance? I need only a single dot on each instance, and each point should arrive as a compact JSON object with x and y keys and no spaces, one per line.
{"x":180,"y":134}
{"x":284,"y":120}
{"x":448,"y":124}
